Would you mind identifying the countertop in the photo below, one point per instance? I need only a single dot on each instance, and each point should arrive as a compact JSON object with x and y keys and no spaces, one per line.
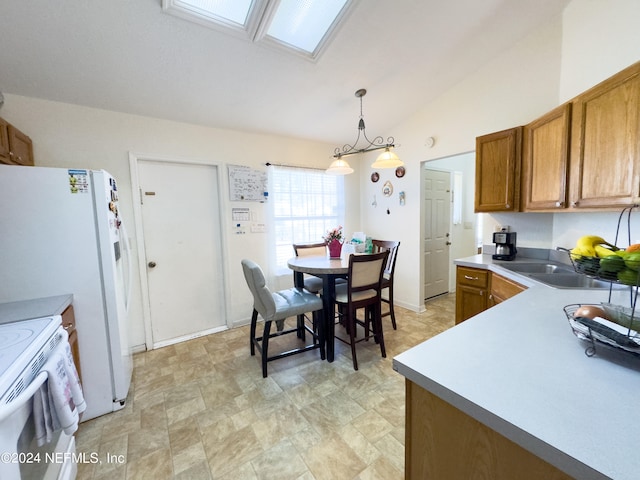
{"x":518,"y":368}
{"x":34,"y":308}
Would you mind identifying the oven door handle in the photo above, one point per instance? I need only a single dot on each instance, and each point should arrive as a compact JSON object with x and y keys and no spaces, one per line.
{"x":9,"y":409}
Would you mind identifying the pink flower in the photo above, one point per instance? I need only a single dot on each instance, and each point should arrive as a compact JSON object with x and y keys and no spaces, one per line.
{"x":334,"y":234}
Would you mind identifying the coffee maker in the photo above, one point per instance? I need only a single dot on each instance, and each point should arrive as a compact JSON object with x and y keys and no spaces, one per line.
{"x":505,"y":245}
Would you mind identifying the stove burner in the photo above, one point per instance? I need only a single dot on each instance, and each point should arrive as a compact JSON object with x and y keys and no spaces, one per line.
{"x":9,"y":339}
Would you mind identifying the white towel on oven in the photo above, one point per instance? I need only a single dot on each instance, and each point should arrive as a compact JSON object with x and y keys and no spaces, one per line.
{"x":59,"y":401}
{"x":74,"y":379}
{"x":42,"y":415}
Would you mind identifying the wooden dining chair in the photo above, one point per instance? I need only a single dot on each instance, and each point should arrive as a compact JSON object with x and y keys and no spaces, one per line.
{"x":362,"y":290}
{"x":387,"y":278}
{"x":277,"y":307}
{"x":311,"y":283}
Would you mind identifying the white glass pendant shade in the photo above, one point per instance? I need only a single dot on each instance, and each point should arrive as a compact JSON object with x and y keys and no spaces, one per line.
{"x":339,"y":167}
{"x":387,"y":159}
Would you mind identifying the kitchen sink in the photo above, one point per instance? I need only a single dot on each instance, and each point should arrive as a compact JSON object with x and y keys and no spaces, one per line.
{"x":544,"y":268}
{"x":572,"y":280}
{"x":557,"y":275}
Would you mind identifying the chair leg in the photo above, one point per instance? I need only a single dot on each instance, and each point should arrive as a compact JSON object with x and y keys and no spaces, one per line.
{"x":300,"y":326}
{"x":393,"y":313}
{"x":351,"y":320}
{"x":378,"y":326}
{"x":252,"y":334}
{"x":318,"y":327}
{"x":265,"y":347}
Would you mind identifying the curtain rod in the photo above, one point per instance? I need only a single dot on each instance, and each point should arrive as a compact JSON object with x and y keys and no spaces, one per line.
{"x":293,"y":166}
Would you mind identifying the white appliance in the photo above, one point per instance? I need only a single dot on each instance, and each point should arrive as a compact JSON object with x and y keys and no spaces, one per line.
{"x":61,"y":234}
{"x":24,"y":348}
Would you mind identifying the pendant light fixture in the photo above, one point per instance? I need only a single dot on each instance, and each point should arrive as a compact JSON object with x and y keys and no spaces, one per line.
{"x":386,"y":159}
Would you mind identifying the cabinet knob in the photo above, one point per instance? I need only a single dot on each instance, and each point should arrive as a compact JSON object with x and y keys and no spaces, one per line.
{"x":559,"y":204}
{"x":507,"y":205}
{"x":574,"y":204}
{"x":151,"y":264}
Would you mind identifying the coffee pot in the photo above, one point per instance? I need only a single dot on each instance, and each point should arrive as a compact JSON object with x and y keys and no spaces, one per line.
{"x":505,"y":245}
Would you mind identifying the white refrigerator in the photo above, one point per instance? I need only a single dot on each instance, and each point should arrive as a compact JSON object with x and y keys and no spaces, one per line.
{"x":61,"y":233}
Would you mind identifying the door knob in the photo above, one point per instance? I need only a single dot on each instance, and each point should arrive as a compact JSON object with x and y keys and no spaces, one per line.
{"x":151,"y":264}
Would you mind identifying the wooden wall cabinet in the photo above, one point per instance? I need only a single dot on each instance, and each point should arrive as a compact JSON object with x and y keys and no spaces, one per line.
{"x":498,"y":164}
{"x":545,"y":161}
{"x":502,"y":289}
{"x":472,"y":292}
{"x":4,"y":140}
{"x":583,"y":155}
{"x":605,"y":143}
{"x":16,"y":148}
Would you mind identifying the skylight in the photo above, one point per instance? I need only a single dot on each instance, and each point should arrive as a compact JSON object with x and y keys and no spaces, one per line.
{"x":301,"y":26}
{"x":304,"y":23}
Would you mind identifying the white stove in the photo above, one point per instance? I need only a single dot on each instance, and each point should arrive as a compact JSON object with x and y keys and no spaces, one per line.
{"x":24,"y":347}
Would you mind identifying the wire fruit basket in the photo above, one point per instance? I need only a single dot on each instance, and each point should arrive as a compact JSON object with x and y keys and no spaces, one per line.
{"x":618,"y":327}
{"x":611,"y":334}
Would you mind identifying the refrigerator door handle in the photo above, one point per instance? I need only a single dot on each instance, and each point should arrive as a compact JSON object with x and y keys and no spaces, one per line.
{"x":127,"y":249}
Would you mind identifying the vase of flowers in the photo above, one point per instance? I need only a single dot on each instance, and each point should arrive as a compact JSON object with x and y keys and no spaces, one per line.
{"x":333,"y":239}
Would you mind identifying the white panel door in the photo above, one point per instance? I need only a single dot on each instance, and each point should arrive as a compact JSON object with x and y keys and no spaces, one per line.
{"x":182,"y":241}
{"x":436,"y":241}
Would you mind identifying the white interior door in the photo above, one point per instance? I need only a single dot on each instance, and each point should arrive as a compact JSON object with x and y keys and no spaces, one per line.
{"x":182,"y":242}
{"x":436,"y":241}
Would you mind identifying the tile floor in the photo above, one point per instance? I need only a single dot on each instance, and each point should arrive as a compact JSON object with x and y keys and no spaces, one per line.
{"x":201,"y":410}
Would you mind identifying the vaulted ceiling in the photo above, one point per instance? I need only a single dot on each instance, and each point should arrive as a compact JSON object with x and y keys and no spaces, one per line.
{"x":130,"y":56}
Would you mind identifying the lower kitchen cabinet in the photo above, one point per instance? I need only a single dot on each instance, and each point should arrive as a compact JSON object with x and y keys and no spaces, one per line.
{"x":471,"y":292}
{"x":478,"y":289}
{"x":502,"y":289}
{"x":444,"y":442}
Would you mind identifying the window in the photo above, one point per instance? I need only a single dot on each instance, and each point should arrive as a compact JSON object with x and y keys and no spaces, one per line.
{"x":304,"y":27}
{"x":304,"y":203}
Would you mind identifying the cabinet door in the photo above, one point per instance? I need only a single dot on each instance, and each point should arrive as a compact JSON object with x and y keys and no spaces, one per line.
{"x":21,"y":147}
{"x":503,"y":289}
{"x":498,"y":171}
{"x":470,"y":301}
{"x":605,"y":143}
{"x":545,"y":161}
{"x":471,"y":292}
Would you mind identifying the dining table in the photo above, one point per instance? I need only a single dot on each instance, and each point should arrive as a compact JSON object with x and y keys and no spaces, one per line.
{"x":328,"y":269}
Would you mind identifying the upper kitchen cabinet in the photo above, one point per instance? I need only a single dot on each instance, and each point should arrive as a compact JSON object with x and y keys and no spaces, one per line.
{"x":4,"y":140}
{"x":605,"y":143}
{"x":16,"y":148}
{"x":545,"y":161}
{"x":498,"y":163}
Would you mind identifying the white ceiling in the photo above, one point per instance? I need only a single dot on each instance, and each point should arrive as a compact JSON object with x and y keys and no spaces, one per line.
{"x":130,"y":56}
